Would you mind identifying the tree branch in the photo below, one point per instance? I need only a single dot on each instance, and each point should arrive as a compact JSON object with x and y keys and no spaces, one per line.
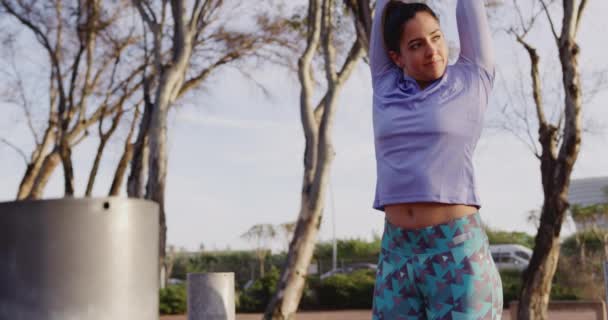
{"x":22,"y":95}
{"x":581,"y":9}
{"x":329,"y":51}
{"x":43,"y":39}
{"x":16,"y":148}
{"x":125,"y":159}
{"x":553,"y":31}
{"x":536,"y":83}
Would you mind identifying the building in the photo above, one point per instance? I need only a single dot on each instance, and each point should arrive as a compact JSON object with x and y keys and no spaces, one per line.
{"x":588,"y":192}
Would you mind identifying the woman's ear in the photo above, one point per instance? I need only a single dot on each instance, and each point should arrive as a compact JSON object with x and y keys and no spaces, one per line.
{"x":396,"y":58}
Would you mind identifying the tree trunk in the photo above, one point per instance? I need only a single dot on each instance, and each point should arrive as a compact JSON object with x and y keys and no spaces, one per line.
{"x":284,"y":303}
{"x":139,"y":161}
{"x":536,"y":289}
{"x":171,"y":78}
{"x":583,"y":249}
{"x":363,"y":23}
{"x":556,"y":168}
{"x":157,"y":174}
{"x":95,"y":168}
{"x":170,"y":261}
{"x":65,"y":152}
{"x":262,"y":271}
{"x":33,"y":168}
{"x":318,"y":155}
{"x":103,"y":140}
{"x":50,"y":163}
{"x":121,"y":169}
{"x":126,"y":157}
{"x":27,"y":182}
{"x":605,"y":245}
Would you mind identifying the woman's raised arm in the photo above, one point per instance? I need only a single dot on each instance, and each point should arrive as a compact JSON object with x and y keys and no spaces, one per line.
{"x":474,"y":34}
{"x":378,"y":57}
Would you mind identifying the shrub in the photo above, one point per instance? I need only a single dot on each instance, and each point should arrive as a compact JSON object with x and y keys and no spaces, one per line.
{"x":511,"y":285}
{"x":173,"y":300}
{"x":506,"y":237}
{"x":583,"y":279}
{"x":256,"y":297}
{"x":587,"y":240}
{"x":351,"y":249}
{"x":347,"y":291}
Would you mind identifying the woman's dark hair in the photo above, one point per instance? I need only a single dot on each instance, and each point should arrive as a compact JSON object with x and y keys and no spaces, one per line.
{"x":396,"y":14}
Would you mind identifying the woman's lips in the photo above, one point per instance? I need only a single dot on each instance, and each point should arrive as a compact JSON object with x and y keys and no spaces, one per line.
{"x":433,"y":63}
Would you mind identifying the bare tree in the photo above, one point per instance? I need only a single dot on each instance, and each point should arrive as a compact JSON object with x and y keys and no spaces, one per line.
{"x":317,"y":123}
{"x":84,"y":43}
{"x":197,"y":44}
{"x":261,"y":234}
{"x":588,"y":219}
{"x":98,"y":61}
{"x":559,"y":142}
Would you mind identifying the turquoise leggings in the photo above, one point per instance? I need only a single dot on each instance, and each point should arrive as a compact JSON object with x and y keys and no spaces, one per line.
{"x":439,"y":272}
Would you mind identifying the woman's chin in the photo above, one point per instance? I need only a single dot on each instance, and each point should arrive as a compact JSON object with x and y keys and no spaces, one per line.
{"x":436,"y":74}
{"x":433,"y":77}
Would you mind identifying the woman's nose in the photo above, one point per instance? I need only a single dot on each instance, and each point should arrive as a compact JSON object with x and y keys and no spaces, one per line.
{"x":431,"y":49}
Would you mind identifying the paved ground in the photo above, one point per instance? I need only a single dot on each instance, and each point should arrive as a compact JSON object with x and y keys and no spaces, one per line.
{"x":366,"y":315}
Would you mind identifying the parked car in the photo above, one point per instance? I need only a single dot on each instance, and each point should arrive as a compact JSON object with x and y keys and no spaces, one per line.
{"x":511,"y":256}
{"x":174,"y":281}
{"x":350,"y":269}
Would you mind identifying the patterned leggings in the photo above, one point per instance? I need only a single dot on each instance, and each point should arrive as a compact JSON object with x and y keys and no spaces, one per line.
{"x":439,"y":272}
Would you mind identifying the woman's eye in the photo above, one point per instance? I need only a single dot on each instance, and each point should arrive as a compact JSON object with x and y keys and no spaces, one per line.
{"x":435,"y":38}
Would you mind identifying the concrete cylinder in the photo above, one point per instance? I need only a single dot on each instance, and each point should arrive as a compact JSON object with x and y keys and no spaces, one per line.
{"x":211,"y":296}
{"x":74,"y":259}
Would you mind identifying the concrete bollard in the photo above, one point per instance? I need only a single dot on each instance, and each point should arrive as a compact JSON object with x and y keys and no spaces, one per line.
{"x":73,"y":259}
{"x":211,"y":296}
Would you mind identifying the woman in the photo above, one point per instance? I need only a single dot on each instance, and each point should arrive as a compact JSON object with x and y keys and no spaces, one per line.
{"x":435,"y":261}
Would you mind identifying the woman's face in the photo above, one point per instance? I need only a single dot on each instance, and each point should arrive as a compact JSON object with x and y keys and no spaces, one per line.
{"x":424,"y":52}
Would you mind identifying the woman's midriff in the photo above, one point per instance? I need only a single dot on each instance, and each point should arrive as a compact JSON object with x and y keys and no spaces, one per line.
{"x":420,"y":215}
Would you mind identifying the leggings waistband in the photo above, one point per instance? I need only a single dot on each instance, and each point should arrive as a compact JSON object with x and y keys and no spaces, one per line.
{"x":433,"y":239}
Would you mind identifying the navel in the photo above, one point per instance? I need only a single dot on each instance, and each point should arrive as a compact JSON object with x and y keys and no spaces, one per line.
{"x":410,"y":212}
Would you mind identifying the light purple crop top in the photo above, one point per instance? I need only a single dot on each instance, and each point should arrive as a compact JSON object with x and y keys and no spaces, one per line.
{"x":425,"y":139}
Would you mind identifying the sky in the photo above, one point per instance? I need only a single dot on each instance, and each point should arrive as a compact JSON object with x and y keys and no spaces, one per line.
{"x":235,"y":154}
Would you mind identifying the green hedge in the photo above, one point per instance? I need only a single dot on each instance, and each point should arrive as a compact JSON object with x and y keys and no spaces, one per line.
{"x":242,"y":263}
{"x":592,"y":243}
{"x":511,"y":285}
{"x":344,"y":291}
{"x":173,"y":300}
{"x":350,"y":249}
{"x":256,"y":297}
{"x":507,"y":237}
{"x":353,"y":291}
{"x":341,"y":291}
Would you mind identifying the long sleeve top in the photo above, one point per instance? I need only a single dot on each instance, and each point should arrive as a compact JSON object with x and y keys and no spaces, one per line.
{"x":425,"y":139}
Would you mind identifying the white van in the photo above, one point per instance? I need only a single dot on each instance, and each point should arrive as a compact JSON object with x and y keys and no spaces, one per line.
{"x":511,"y":256}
